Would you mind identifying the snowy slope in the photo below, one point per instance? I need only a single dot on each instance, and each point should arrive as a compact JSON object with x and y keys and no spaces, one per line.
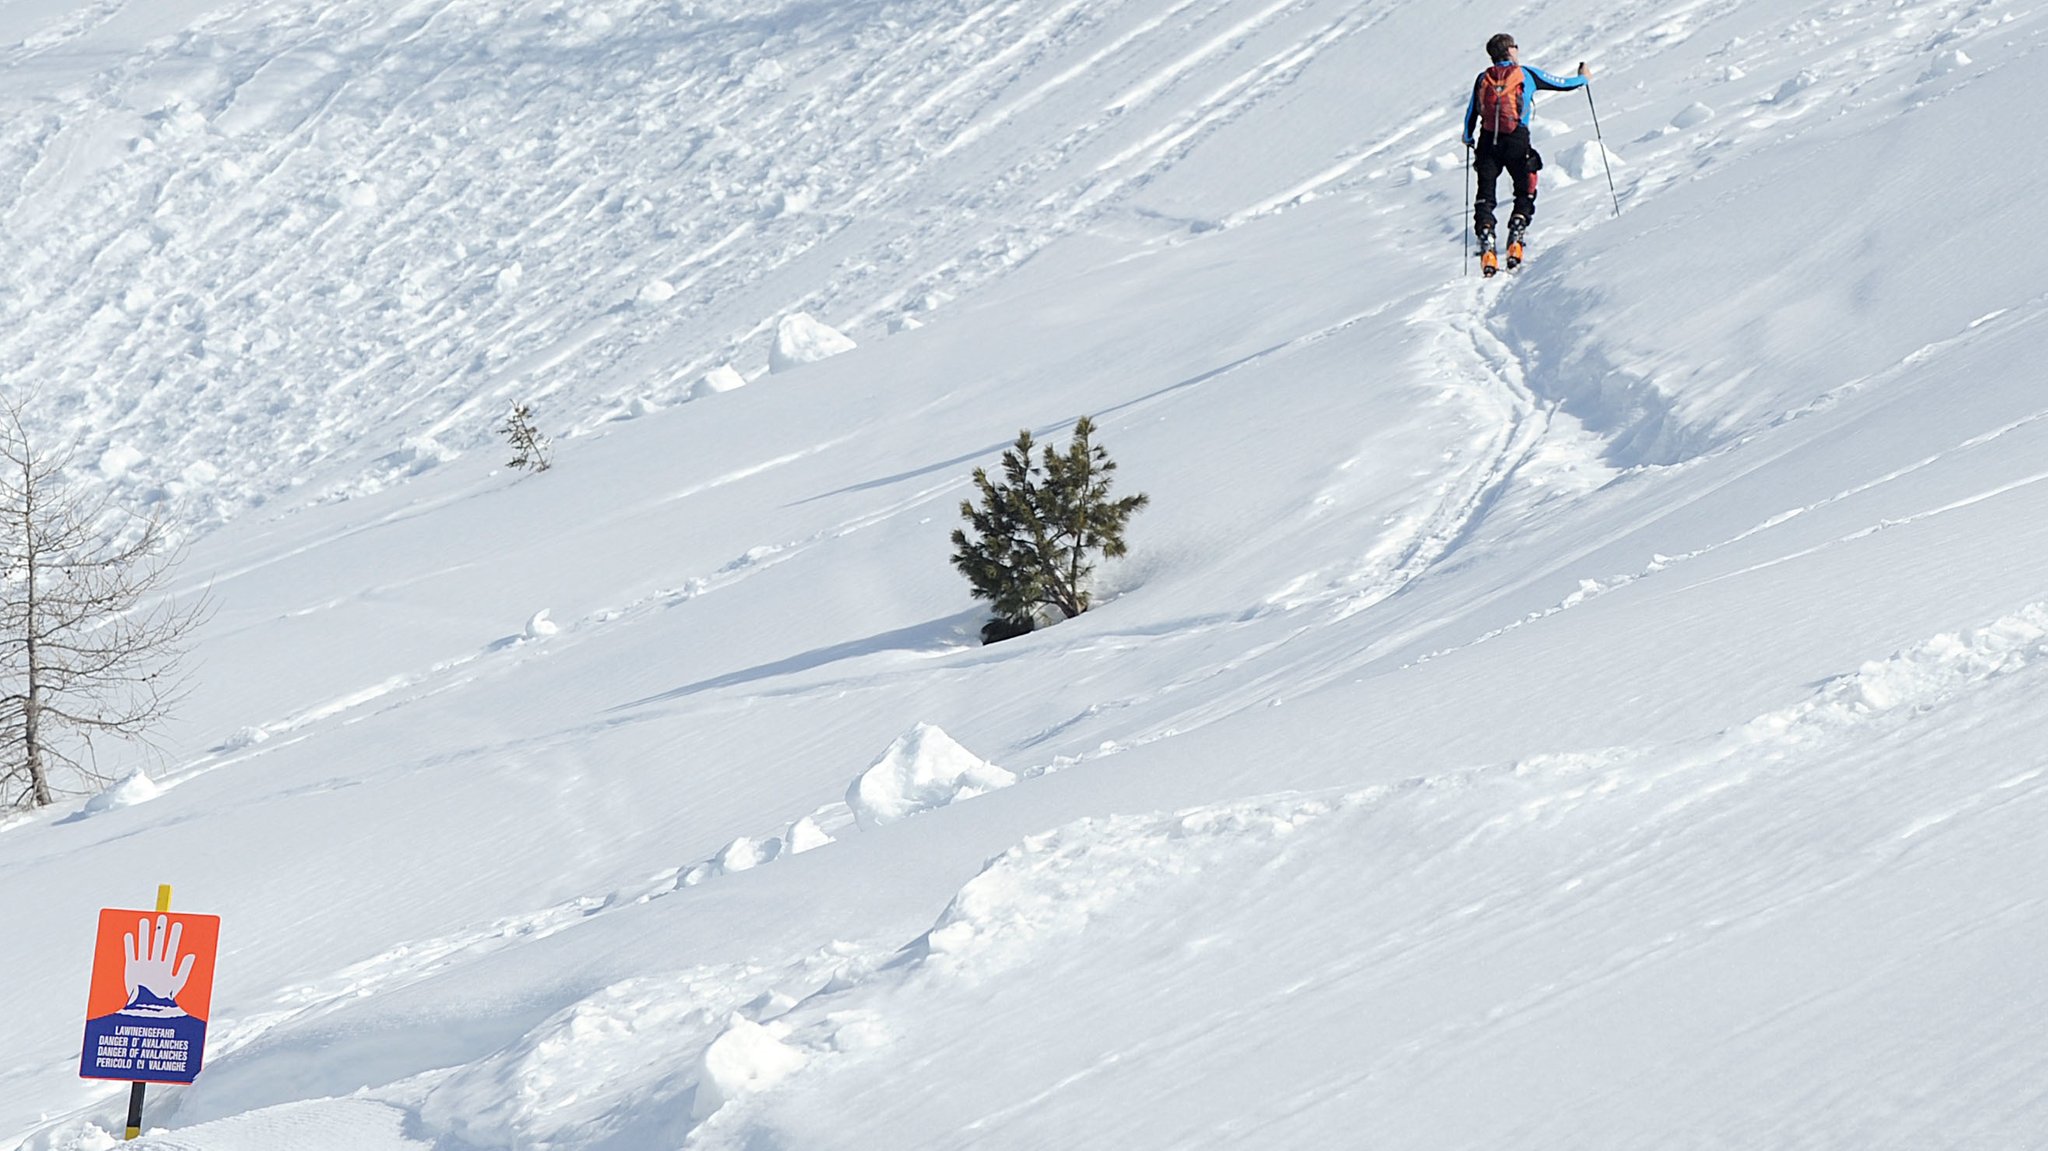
{"x":1591,"y":710}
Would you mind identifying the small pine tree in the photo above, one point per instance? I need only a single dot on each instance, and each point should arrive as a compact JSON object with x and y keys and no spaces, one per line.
{"x":529,"y":447}
{"x":1031,"y":544}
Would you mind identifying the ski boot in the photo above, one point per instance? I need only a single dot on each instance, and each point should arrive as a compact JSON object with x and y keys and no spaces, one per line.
{"x":1517,"y":229}
{"x":1489,"y":260}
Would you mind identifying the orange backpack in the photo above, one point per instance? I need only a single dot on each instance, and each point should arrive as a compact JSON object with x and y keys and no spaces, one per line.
{"x":1500,"y":99}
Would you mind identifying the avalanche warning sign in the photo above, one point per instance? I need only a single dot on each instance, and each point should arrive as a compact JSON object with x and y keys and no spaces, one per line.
{"x":152,"y":987}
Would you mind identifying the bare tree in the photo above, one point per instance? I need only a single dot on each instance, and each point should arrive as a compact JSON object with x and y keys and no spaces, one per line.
{"x":89,"y":644}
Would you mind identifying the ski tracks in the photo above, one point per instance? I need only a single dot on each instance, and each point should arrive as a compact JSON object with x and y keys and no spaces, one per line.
{"x":2004,"y":325}
{"x":1481,"y":371}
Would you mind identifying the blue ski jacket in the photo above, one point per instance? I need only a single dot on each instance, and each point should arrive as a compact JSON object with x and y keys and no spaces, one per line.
{"x":1533,"y":78}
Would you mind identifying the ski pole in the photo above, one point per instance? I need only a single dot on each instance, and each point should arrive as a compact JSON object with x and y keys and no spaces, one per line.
{"x":1602,"y":141}
{"x":1468,"y":211}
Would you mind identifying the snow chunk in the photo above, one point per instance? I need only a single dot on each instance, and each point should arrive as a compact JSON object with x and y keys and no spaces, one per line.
{"x":791,"y":201}
{"x":1792,"y":87}
{"x":747,"y":1058}
{"x":1944,"y":64}
{"x":1692,"y":116}
{"x":800,"y":340}
{"x":419,"y":455}
{"x":922,"y":770}
{"x":118,"y":460}
{"x":540,"y":626}
{"x":657,"y":292}
{"x":244,"y":738}
{"x":742,"y":854}
{"x":511,"y":276}
{"x":805,"y":834}
{"x":635,"y":408}
{"x":137,"y":788}
{"x":723,"y":378}
{"x":1581,"y":161}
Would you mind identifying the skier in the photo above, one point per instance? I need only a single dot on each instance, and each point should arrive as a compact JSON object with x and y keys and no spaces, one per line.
{"x":1497,"y":131}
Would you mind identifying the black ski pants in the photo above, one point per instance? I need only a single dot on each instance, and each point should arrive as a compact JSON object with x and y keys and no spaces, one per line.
{"x":1512,"y":153}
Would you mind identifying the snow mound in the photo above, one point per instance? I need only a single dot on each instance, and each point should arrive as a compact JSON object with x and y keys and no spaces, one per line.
{"x":1945,"y":64}
{"x":1792,"y":87}
{"x":800,"y":340}
{"x":1916,"y":680}
{"x":539,"y":626}
{"x":805,"y":835}
{"x":1054,"y":884}
{"x":244,"y":738}
{"x":118,"y":461}
{"x":724,"y":378}
{"x":1692,"y":116}
{"x":746,"y":853}
{"x":637,"y":408}
{"x":742,"y":854}
{"x":1581,"y":161}
{"x":627,"y":1045}
{"x":924,"y":769}
{"x":136,"y":788}
{"x":748,"y":1058}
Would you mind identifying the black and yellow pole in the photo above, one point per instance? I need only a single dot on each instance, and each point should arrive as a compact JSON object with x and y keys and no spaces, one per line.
{"x":136,"y":1090}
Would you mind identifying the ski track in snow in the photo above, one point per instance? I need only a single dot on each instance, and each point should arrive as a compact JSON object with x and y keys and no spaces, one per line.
{"x":1658,"y":565}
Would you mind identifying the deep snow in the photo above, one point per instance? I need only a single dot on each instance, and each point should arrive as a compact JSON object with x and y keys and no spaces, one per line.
{"x":1595,"y":709}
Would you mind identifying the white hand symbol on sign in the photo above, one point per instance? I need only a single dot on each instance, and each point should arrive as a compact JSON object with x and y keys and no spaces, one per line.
{"x":150,"y":963}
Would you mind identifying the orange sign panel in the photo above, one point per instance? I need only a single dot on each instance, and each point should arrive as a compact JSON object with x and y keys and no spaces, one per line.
{"x":152,"y":990}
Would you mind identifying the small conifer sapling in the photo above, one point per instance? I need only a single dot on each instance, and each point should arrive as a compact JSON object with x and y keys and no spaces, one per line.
{"x":529,"y":447}
{"x":1033,"y":540}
